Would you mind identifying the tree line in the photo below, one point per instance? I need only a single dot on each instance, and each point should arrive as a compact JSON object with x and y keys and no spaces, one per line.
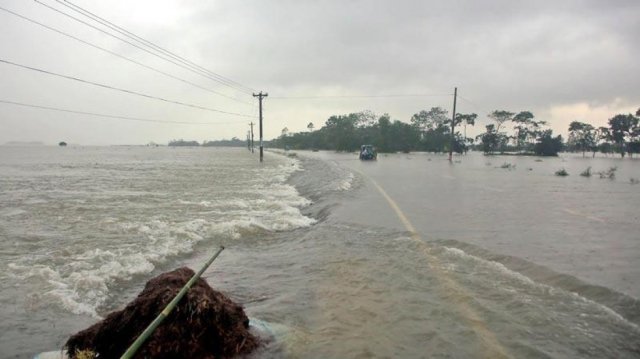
{"x":430,"y":131}
{"x":622,"y":136}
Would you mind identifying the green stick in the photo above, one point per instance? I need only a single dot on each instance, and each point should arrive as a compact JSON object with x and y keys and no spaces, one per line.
{"x":167,"y":310}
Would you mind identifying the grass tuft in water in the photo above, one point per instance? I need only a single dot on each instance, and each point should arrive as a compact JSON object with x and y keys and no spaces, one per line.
{"x":586,"y":173}
{"x":562,"y":173}
{"x":610,"y":173}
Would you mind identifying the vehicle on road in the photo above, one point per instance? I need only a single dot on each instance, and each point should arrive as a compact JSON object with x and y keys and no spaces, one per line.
{"x":368,"y":152}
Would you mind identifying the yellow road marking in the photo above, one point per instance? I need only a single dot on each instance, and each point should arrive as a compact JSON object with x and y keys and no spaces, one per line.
{"x":492,"y":347}
{"x":575,"y":213}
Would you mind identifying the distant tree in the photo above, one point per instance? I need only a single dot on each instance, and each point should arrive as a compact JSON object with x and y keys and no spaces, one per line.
{"x":582,"y":136}
{"x":547,"y":145}
{"x":366,"y":118}
{"x":490,"y":140}
{"x":624,"y":128}
{"x":433,"y":129}
{"x":430,"y":120}
{"x":310,"y":126}
{"x":340,"y":132}
{"x":526,"y":130}
{"x":500,"y":117}
{"x":464,"y":119}
{"x":181,"y":142}
{"x":601,"y":137}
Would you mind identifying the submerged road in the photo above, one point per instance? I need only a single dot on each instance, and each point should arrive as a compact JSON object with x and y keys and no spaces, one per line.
{"x":492,"y":348}
{"x":536,"y":276}
{"x":583,"y":227}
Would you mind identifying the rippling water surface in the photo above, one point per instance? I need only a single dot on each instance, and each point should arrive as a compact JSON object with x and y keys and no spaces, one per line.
{"x":314,"y":250}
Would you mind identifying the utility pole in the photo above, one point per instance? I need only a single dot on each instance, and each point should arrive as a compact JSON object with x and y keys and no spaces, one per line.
{"x":260,"y":96}
{"x":453,"y":124}
{"x":248,"y":142}
{"x":251,"y":136}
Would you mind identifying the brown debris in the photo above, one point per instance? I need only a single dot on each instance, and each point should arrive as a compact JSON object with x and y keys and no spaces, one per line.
{"x":205,"y":324}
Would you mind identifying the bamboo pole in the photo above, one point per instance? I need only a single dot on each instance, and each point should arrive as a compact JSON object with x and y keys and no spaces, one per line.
{"x":167,"y":310}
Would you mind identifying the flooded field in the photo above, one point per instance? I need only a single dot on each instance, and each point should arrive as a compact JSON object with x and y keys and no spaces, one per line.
{"x":407,"y":256}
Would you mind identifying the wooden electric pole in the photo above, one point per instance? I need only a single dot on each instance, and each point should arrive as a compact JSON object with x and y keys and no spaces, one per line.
{"x":251,"y":136}
{"x":260,"y":96}
{"x":453,"y":124}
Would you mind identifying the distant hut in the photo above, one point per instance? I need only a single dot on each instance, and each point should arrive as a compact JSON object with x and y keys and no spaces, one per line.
{"x":62,"y":144}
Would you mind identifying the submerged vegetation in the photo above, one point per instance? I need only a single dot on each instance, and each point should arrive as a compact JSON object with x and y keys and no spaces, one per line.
{"x":562,"y":173}
{"x":610,"y":173}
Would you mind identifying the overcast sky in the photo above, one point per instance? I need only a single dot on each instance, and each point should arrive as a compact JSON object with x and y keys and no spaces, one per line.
{"x":562,"y":60}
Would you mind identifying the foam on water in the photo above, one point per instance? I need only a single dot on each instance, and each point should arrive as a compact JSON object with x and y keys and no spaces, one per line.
{"x":105,"y":240}
{"x":503,"y":272}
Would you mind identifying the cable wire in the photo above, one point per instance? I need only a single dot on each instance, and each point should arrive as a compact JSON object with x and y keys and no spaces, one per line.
{"x":123,"y":57}
{"x":355,"y":96}
{"x":123,"y":90}
{"x":112,"y":116}
{"x":201,"y":73}
{"x":145,"y":42}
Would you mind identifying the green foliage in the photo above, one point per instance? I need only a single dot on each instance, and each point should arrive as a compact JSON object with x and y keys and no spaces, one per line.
{"x":526,"y":130}
{"x":547,"y":145}
{"x":234,"y":142}
{"x":586,"y":172}
{"x":348,"y":132}
{"x":562,"y":173}
{"x":582,"y":137}
{"x":182,"y":142}
{"x":624,"y":129}
{"x":500,"y":117}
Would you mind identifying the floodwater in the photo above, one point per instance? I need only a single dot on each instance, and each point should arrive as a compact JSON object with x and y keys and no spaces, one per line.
{"x":408,"y":256}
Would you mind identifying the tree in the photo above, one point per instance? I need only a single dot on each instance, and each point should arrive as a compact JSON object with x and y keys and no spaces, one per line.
{"x":601,"y":138}
{"x":500,"y":117}
{"x":365,"y":118}
{"x":434,"y":132}
{"x":624,"y":128}
{"x":340,"y":132}
{"x":582,"y":136}
{"x":547,"y":145}
{"x":460,"y":142}
{"x":310,"y":126}
{"x":526,"y":130}
{"x":490,"y":139}
{"x":430,"y":120}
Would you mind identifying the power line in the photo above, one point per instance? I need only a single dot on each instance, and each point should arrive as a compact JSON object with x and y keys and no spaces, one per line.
{"x":189,"y":68}
{"x":357,"y":96}
{"x":123,"y":57}
{"x":145,"y":42}
{"x":124,"y":90}
{"x":112,"y":116}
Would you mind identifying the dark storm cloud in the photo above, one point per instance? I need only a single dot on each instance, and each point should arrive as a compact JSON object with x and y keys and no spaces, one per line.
{"x":562,"y":60}
{"x":570,"y":50}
